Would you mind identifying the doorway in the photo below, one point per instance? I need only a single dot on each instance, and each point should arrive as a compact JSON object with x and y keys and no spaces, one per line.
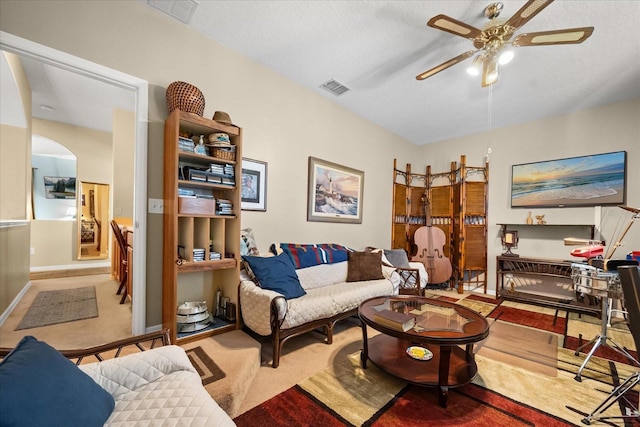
{"x":139,"y":88}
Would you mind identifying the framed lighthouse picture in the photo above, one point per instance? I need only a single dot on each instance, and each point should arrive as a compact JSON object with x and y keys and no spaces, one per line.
{"x":335,"y":192}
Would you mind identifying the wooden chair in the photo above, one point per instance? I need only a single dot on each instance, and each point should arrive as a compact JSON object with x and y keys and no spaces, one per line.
{"x":630,"y":282}
{"x":124,"y":270}
{"x":410,"y":280}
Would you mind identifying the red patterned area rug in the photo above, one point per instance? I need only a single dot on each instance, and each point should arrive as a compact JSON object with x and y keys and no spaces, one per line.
{"x":470,"y":405}
{"x":509,"y":390}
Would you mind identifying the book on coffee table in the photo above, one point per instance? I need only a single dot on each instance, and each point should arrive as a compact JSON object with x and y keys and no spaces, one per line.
{"x":394,"y":320}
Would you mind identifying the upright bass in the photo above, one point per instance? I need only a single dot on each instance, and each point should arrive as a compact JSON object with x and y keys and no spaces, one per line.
{"x":429,"y":242}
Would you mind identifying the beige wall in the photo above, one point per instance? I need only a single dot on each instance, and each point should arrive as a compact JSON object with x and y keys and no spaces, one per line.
{"x":15,"y":143}
{"x":612,"y":128}
{"x":283,"y":124}
{"x":15,"y":193}
{"x":92,"y":148}
{"x":54,"y":242}
{"x":124,"y":134}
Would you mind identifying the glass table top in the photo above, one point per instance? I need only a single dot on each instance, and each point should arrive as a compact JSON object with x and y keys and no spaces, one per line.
{"x":428,"y":316}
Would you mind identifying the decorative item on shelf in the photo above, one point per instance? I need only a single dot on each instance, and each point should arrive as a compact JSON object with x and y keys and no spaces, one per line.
{"x":200,"y":148}
{"x":193,"y":316}
{"x":186,"y":145}
{"x":219,"y":137}
{"x":230,"y":314}
{"x":224,"y":153}
{"x":529,"y":219}
{"x":222,"y":117}
{"x":185,"y":97}
{"x":540,"y":219}
{"x":509,"y":240}
{"x":510,"y":282}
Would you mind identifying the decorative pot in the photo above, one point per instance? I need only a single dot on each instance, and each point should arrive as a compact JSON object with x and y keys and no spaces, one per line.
{"x":186,"y":97}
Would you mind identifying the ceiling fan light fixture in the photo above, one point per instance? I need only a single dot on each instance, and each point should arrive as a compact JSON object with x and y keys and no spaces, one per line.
{"x":474,"y":68}
{"x":505,"y":56}
{"x":490,"y":71}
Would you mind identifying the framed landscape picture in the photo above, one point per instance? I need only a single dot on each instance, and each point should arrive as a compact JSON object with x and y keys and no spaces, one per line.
{"x":254,"y":185}
{"x":594,"y":180}
{"x":57,"y":187}
{"x":335,"y":192}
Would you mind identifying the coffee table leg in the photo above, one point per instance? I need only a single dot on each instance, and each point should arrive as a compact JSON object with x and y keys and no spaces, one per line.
{"x":443,"y":374}
{"x":364,"y":354}
{"x":443,"y":396}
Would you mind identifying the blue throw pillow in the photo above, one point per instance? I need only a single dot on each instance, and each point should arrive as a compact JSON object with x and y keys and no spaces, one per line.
{"x":276,"y":273}
{"x":42,"y":387}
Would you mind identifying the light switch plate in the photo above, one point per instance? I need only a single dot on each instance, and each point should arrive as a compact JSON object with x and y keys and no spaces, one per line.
{"x":156,"y":206}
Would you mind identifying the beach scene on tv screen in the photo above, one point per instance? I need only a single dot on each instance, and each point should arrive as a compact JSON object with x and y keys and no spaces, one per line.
{"x":579,"y":181}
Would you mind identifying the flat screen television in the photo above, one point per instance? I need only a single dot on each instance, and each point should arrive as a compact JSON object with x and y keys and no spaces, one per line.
{"x":594,"y":180}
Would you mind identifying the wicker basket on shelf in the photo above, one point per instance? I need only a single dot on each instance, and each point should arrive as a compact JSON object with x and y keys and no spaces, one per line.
{"x":186,"y":97}
{"x":224,"y":153}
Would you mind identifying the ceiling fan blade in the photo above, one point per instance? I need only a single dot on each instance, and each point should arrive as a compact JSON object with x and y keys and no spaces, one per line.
{"x":526,"y":12}
{"x":566,"y":36}
{"x":453,"y":26}
{"x":445,"y":65}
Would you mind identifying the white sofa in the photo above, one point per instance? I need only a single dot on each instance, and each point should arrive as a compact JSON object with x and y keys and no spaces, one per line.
{"x":157,"y":387}
{"x":328,"y":299}
{"x":150,"y":386}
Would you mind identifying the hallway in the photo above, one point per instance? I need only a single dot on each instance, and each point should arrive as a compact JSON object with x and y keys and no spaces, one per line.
{"x":113,"y":321}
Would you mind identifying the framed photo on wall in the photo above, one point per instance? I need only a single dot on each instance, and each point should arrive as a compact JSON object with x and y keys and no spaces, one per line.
{"x":58,"y":187}
{"x":335,"y":192}
{"x":254,"y":185}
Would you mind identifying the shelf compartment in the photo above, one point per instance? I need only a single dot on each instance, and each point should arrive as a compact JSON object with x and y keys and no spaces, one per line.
{"x":191,"y":205}
{"x":197,"y":184}
{"x":198,"y":125}
{"x":206,"y":265}
{"x":217,"y":236}
{"x":202,"y":159}
{"x":185,"y":238}
{"x":186,"y":337}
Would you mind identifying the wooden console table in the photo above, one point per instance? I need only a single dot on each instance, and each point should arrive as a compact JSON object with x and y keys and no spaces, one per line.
{"x":547,"y":271}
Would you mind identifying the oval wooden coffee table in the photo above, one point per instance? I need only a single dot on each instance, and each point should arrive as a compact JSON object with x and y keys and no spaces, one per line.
{"x":440,"y":329}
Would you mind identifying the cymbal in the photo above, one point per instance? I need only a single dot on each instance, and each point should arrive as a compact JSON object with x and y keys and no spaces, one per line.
{"x":630,"y":209}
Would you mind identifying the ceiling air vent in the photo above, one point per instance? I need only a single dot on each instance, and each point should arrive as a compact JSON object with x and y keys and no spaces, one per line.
{"x":335,"y":87}
{"x":182,"y":10}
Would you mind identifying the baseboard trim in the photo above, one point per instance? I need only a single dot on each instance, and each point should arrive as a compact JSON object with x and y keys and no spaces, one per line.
{"x":70,"y":266}
{"x":14,"y":303}
{"x":68,"y":272}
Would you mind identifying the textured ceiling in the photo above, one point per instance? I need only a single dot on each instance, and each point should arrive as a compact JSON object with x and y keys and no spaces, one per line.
{"x":376,"y":48}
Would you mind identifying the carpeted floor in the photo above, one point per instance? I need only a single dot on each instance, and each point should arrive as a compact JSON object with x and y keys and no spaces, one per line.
{"x":509,"y":389}
{"x":60,"y":306}
{"x":112,"y":323}
{"x":237,"y":357}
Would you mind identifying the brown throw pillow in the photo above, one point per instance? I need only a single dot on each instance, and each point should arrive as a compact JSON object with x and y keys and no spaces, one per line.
{"x":364,"y":266}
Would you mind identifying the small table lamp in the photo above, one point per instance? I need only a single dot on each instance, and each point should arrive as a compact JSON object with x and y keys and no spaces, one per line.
{"x":509,"y":240}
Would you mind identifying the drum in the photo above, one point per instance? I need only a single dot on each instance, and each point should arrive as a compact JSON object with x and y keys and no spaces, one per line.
{"x":595,"y":282}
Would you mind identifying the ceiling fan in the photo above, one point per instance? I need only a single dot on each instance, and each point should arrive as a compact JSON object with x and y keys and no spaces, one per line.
{"x":492,"y":43}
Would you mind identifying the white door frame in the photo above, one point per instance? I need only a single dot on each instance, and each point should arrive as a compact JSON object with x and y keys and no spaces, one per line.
{"x":140,"y":88}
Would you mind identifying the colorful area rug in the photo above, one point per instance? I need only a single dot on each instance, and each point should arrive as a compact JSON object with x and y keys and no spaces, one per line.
{"x":508,"y":391}
{"x":60,"y":306}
